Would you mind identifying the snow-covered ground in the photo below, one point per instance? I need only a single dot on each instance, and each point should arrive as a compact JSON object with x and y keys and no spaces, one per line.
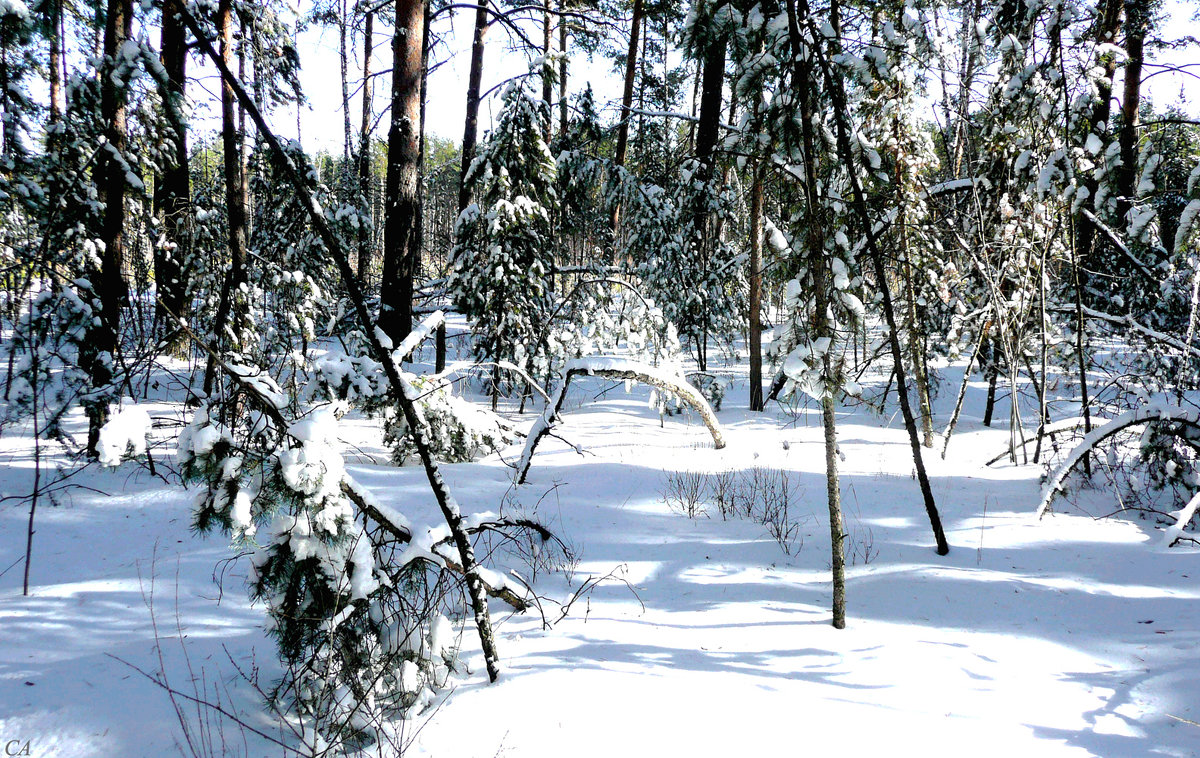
{"x":1061,"y":637}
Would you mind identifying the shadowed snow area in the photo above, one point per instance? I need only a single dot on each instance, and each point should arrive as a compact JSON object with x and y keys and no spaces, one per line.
{"x":1064,"y":637}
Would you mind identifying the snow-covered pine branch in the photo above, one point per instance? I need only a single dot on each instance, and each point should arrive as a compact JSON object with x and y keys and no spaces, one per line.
{"x":618,"y":369}
{"x":1144,"y":415}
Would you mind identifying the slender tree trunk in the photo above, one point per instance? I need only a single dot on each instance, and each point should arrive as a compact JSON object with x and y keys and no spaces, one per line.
{"x":992,"y":372}
{"x":471,"y":124}
{"x":402,"y":241}
{"x":916,"y":351}
{"x":804,"y":84}
{"x":711,"y":91}
{"x":7,"y":120}
{"x":846,"y":153}
{"x":1136,"y":21}
{"x":562,"y":71}
{"x":470,"y":136}
{"x":103,"y":339}
{"x":231,"y":307}
{"x":755,"y":280}
{"x":344,"y":67}
{"x":635,"y":29}
{"x":53,"y":10}
{"x":364,"y":153}
{"x":172,"y":194}
{"x":711,"y":95}
{"x":445,"y":499}
{"x":547,"y":79}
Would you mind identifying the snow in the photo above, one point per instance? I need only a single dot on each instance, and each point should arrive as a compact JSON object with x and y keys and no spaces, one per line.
{"x":14,"y":8}
{"x":124,"y":434}
{"x":1062,"y":637}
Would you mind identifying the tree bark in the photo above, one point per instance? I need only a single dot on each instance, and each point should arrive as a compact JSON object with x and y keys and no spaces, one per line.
{"x":231,"y":305}
{"x":471,"y":123}
{"x":402,"y":203}
{"x":803,"y":82}
{"x":54,"y":14}
{"x":401,"y":389}
{"x":1136,"y":21}
{"x":172,"y":194}
{"x":846,"y":153}
{"x":562,"y":71}
{"x":547,"y":79}
{"x":110,"y":178}
{"x":712,"y":84}
{"x":755,"y":280}
{"x":631,"y":56}
{"x":364,"y":152}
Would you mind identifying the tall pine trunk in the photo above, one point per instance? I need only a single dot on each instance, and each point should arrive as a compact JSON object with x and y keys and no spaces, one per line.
{"x":54,"y":15}
{"x":471,"y":122}
{"x":631,"y":56}
{"x":755,"y":280}
{"x":104,"y":336}
{"x":172,"y":194}
{"x":364,"y":152}
{"x":562,"y":70}
{"x":804,"y":83}
{"x":228,"y":324}
{"x":402,"y":199}
{"x":712,"y":85}
{"x":1136,"y":21}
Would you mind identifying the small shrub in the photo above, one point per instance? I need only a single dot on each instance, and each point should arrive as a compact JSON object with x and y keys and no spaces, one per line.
{"x":685,"y":492}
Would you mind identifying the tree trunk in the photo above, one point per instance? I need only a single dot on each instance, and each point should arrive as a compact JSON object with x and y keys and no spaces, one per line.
{"x":344,"y":66}
{"x":1136,"y":21}
{"x":846,"y":153}
{"x":631,"y":56}
{"x":231,"y":306}
{"x":562,"y":70}
{"x":7,"y":120}
{"x":172,"y":194}
{"x":547,"y":79}
{"x":755,"y":280}
{"x":471,"y":123}
{"x":470,"y":136}
{"x":110,"y":177}
{"x":400,"y":389}
{"x":53,"y":10}
{"x":364,"y":153}
{"x":402,"y":204}
{"x":803,"y":81}
{"x":711,"y":91}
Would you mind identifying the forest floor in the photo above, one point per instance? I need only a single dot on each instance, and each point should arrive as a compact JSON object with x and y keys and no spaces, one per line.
{"x":1067,"y":636}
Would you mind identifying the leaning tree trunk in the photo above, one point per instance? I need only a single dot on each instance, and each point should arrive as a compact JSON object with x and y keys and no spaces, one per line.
{"x":172,"y":194}
{"x":402,"y":203}
{"x":471,"y":123}
{"x":401,"y":389}
{"x":102,"y":340}
{"x":846,"y":153}
{"x":470,"y":135}
{"x":228,"y":325}
{"x":635,"y":27}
